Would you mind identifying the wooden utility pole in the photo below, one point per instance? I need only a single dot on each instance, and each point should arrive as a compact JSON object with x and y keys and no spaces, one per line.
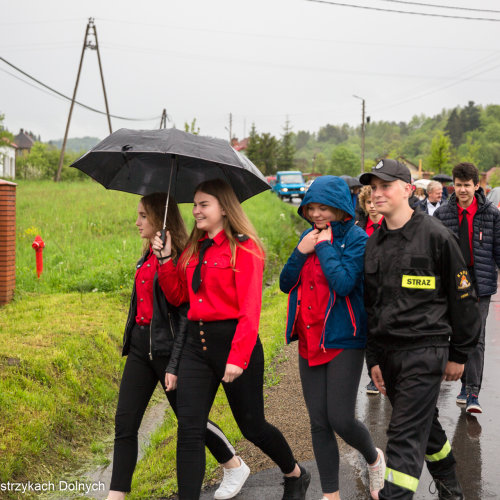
{"x":87,"y":44}
{"x":362,"y":133}
{"x":163,"y":122}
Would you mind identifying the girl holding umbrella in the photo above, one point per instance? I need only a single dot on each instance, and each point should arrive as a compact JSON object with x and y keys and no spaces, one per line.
{"x":149,"y":345}
{"x":220,"y":274}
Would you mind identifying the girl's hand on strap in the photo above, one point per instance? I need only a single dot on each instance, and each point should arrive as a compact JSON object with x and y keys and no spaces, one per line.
{"x":325,"y":235}
{"x":308,"y":241}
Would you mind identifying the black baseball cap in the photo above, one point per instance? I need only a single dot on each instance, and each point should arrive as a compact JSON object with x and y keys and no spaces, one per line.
{"x":387,"y":170}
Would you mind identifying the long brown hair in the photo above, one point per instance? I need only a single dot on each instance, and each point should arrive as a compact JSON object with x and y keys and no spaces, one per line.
{"x":235,"y":221}
{"x":154,"y":206}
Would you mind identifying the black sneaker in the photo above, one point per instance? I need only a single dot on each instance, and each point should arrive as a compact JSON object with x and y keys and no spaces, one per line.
{"x":371,"y":388}
{"x":296,"y":487}
{"x":448,"y":488}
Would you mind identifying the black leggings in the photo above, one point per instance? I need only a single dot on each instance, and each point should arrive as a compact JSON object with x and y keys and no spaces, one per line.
{"x":139,"y":380}
{"x":201,"y":369}
{"x":330,"y":392}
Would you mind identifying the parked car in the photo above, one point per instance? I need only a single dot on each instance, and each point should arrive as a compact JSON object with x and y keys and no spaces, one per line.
{"x":289,"y":184}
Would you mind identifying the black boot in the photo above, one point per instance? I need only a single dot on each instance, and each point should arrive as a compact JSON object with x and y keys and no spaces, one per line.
{"x":296,"y":487}
{"x":448,"y":488}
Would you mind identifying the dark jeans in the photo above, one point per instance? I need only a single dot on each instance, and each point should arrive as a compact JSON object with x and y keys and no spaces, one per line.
{"x":201,"y":369}
{"x":330,"y":392}
{"x":139,"y":380}
{"x":473,"y":373}
{"x":412,"y":380}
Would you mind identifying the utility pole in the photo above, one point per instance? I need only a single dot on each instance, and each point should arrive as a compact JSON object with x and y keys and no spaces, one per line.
{"x":92,"y":45}
{"x":362,"y":133}
{"x":163,"y":122}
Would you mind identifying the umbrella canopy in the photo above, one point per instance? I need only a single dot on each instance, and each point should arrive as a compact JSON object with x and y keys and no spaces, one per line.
{"x":494,"y":196}
{"x":422,"y":183}
{"x":169,"y":160}
{"x":442,"y":178}
{"x":351,"y":181}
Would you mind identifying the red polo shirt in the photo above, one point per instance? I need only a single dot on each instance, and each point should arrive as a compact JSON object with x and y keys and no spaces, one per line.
{"x":314,"y":295}
{"x":225,"y":293}
{"x":369,"y":225}
{"x":144,"y":277}
{"x":471,"y":212}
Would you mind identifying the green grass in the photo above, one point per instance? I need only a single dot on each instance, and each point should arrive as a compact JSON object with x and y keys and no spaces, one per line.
{"x":60,"y":338}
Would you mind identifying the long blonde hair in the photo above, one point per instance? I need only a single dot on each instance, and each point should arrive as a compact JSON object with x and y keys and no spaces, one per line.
{"x":154,"y":206}
{"x":235,"y":222}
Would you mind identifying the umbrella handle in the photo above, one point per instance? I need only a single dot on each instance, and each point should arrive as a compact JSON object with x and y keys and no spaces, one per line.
{"x":163,"y":236}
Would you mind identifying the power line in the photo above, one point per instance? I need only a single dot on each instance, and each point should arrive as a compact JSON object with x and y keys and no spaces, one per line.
{"x":443,"y":6}
{"x":427,"y":14}
{"x":69,"y":98}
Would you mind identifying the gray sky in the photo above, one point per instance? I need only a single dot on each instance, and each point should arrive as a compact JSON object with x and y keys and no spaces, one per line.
{"x":261,"y":60}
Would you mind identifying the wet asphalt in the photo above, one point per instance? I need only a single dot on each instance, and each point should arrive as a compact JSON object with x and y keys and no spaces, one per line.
{"x":475,"y":440}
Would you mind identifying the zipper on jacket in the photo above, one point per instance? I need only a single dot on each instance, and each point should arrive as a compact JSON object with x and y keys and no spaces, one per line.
{"x":323,"y":333}
{"x":171,"y":326}
{"x":150,"y":341}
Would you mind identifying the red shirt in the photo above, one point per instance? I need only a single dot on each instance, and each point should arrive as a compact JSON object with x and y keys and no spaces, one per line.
{"x":471,"y":212}
{"x":314,"y":294}
{"x":144,"y":277}
{"x":224,"y":293}
{"x":369,"y":225}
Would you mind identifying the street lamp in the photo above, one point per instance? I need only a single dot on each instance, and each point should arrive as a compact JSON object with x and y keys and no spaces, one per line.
{"x":362,"y":133}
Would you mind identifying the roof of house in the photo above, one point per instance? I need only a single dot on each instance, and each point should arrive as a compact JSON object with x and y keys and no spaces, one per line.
{"x":23,"y":140}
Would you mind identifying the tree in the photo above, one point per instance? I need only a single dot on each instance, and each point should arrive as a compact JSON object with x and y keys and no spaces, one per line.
{"x":454,"y":128}
{"x":320,"y":163}
{"x":343,"y":162}
{"x":192,"y":129}
{"x":439,"y":158}
{"x":268,"y":152}
{"x":252,"y":150}
{"x":302,"y":138}
{"x":286,"y":151}
{"x":470,"y":117}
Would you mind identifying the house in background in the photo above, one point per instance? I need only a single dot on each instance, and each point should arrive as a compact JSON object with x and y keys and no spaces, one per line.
{"x":24,"y":142}
{"x":7,"y":159}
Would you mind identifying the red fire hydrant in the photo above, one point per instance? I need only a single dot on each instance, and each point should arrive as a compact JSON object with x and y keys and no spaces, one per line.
{"x":38,"y":244}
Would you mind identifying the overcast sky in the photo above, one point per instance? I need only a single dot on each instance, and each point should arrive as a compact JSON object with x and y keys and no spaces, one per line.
{"x":261,"y":60}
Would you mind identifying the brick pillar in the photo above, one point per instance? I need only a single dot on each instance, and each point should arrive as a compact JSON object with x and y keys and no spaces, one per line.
{"x":7,"y":241}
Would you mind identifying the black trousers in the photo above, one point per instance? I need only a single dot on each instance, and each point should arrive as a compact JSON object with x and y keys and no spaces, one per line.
{"x":201,"y":370}
{"x":139,"y":380}
{"x":412,"y":379}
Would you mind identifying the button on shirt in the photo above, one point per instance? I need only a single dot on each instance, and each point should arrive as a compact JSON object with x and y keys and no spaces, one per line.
{"x":471,"y":212}
{"x":144,"y":278}
{"x":224,"y":293}
{"x":314,"y":295}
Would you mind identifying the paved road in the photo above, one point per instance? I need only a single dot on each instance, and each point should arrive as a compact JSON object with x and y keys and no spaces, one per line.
{"x":475,"y":441}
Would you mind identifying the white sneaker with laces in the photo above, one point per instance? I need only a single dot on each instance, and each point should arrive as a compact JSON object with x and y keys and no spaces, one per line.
{"x":233,"y":481}
{"x":376,"y":473}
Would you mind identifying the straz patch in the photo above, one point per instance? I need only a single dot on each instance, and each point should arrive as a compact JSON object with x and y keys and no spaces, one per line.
{"x":420,"y":282}
{"x":463,"y":280}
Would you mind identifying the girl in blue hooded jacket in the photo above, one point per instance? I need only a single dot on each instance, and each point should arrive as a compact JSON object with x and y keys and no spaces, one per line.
{"x":324,"y":280}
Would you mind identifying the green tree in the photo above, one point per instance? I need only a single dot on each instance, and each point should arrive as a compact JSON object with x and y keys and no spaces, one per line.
{"x":268,"y":153}
{"x":320,"y":163}
{"x":302,"y":138}
{"x":494,"y":180}
{"x":470,"y":117}
{"x":344,"y":162}
{"x":439,"y":158}
{"x":454,"y":128}
{"x":4,"y":132}
{"x":192,"y":128}
{"x":286,"y":152}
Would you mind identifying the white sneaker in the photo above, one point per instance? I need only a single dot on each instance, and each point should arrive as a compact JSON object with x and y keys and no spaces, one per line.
{"x":376,"y":473}
{"x":233,"y":481}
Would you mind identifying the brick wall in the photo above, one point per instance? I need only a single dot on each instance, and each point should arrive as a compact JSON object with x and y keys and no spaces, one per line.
{"x":7,"y":240}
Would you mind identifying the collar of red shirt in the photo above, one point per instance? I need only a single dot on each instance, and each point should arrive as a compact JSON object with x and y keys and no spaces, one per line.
{"x":219,"y":238}
{"x":472,"y":208}
{"x":370,"y":222}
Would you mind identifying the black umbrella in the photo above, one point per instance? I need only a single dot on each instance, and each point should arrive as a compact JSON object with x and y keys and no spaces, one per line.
{"x":171,"y":161}
{"x":351,"y":181}
{"x":442,"y":178}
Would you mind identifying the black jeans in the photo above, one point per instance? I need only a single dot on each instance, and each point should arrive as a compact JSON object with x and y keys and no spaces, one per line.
{"x":330,"y":392}
{"x":201,"y":369}
{"x":139,"y":380}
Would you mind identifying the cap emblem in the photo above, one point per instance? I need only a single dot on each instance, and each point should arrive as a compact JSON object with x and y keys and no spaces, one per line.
{"x":380,"y":164}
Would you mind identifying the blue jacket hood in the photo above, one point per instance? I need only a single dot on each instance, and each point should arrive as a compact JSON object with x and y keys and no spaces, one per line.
{"x":329,"y":190}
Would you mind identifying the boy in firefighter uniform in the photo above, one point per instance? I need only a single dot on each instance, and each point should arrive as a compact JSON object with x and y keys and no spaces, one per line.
{"x":423,"y":321}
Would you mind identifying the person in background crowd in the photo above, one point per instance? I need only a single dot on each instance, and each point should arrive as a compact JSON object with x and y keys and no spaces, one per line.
{"x":220,"y":275}
{"x":148,"y":343}
{"x":476,"y":222}
{"x":420,"y":193}
{"x":422,"y":324}
{"x":370,"y":222}
{"x":434,"y":198}
{"x":324,"y":277}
